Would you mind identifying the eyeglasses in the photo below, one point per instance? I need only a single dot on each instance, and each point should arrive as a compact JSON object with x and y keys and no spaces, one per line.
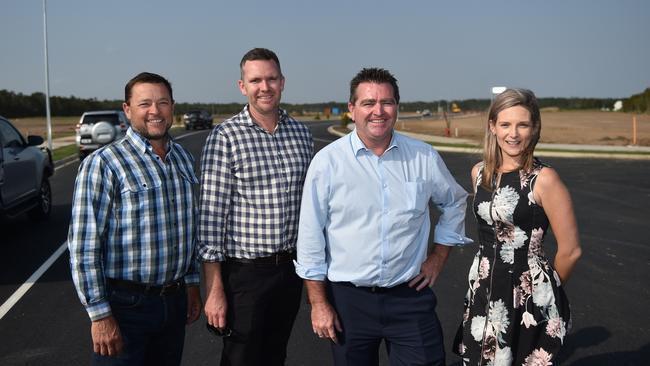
{"x":225,"y":332}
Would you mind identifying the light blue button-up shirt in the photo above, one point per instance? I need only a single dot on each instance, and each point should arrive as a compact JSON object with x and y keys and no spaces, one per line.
{"x":365,"y":219}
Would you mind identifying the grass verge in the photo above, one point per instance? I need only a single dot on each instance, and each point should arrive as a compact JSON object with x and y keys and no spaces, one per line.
{"x":64,"y":151}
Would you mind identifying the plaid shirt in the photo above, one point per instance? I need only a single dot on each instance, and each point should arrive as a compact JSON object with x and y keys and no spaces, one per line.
{"x":133,"y":218}
{"x":251,"y":186}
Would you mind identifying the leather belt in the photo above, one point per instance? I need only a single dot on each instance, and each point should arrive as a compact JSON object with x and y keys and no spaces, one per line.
{"x":373,"y":289}
{"x":169,"y":288}
{"x":274,"y":259}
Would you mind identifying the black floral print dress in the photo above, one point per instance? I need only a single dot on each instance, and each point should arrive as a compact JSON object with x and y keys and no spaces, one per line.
{"x":516,"y":312}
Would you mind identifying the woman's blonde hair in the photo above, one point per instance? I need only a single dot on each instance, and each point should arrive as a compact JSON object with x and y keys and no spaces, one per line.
{"x":492,"y":155}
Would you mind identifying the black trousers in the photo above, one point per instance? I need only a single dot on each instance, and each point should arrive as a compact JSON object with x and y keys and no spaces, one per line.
{"x":263,"y":300}
{"x":404,"y":318}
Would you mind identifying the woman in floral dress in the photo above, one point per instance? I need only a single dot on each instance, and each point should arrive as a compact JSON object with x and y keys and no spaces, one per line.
{"x":516,"y":312}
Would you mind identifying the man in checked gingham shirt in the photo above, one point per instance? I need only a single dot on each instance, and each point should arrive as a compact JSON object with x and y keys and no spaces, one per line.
{"x":252,"y":171}
{"x":132,"y":236}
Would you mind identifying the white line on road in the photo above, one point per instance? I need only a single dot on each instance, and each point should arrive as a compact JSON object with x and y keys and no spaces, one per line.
{"x":22,"y":290}
{"x":322,"y":140}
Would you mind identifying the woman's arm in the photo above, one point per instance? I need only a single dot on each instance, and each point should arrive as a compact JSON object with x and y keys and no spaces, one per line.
{"x":554,"y":197}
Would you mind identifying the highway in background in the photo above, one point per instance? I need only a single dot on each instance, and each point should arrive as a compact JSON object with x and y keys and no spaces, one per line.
{"x":608,"y":291}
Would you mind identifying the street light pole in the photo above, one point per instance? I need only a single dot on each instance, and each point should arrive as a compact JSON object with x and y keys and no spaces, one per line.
{"x":47,"y":80}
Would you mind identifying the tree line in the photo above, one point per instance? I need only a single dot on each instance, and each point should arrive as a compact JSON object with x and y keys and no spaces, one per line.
{"x":638,"y":103}
{"x":15,"y":105}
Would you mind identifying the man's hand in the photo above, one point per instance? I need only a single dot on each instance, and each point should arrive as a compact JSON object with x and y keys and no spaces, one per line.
{"x":193,"y":304}
{"x":216,"y":305}
{"x":107,"y":340}
{"x":431,"y":267}
{"x":215,"y":308}
{"x":324,"y":321}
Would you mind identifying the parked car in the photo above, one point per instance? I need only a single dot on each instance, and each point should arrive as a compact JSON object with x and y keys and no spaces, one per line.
{"x":98,"y":128}
{"x":195,"y":119}
{"x":25,"y":170}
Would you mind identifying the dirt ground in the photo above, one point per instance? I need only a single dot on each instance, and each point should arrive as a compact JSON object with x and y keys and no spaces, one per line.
{"x":568,"y":127}
{"x":574,"y":127}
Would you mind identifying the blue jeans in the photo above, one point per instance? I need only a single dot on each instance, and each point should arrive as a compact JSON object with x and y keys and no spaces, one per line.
{"x":152,"y":328}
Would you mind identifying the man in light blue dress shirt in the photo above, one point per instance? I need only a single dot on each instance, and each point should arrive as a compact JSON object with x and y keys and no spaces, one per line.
{"x":362,"y":238}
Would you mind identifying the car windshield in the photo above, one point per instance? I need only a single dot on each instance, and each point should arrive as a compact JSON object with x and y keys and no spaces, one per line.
{"x":94,"y":118}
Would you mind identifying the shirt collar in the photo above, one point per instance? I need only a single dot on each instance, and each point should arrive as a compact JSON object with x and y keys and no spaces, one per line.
{"x":358,"y":145}
{"x":248,"y":119}
{"x":143,"y":144}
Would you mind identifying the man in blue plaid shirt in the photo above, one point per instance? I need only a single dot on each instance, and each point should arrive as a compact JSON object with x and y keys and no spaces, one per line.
{"x":132,"y":236}
{"x":252,"y":171}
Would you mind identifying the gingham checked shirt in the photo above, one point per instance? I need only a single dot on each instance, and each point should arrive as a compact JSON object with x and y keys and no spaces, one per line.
{"x":251,"y":186}
{"x":133,"y":218}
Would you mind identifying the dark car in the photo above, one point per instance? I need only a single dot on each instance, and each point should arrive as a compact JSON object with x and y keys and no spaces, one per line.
{"x":196,"y":119}
{"x":98,"y":128}
{"x":25,"y":170}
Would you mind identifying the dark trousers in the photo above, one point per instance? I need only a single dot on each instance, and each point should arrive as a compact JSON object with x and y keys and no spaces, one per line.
{"x":405,"y":319}
{"x":263,"y":300}
{"x":152,"y":328}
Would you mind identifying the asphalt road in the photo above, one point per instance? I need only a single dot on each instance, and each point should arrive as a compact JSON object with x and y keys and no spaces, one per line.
{"x":608,"y":290}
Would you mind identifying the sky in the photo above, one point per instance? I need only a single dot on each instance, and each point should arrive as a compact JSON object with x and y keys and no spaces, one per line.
{"x":436,"y":49}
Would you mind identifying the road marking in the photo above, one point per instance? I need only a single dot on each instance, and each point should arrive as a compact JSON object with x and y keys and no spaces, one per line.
{"x":188,"y":134}
{"x":22,"y":290}
{"x":322,"y":140}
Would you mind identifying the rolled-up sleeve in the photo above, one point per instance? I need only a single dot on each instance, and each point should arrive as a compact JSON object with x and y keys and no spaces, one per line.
{"x":451,"y":200}
{"x":311,"y":263}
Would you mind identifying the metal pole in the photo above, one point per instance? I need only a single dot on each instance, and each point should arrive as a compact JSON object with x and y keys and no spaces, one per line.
{"x":47,"y":81}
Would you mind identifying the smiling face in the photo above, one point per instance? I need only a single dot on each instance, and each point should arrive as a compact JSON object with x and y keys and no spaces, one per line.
{"x":262,"y":83}
{"x":150,"y":110}
{"x":513,"y":130}
{"x":374,"y":114}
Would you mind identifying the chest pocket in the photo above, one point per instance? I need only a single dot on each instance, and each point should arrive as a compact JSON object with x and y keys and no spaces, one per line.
{"x":415,"y":196}
{"x":138,"y":196}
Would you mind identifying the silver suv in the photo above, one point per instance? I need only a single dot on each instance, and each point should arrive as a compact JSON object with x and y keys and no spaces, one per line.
{"x":98,"y":128}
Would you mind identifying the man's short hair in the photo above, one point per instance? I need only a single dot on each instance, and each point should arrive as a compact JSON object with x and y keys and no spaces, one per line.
{"x":259,"y":54}
{"x":146,"y":77}
{"x":373,"y":75}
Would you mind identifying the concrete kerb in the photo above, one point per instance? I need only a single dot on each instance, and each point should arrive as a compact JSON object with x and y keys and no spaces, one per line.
{"x":543,"y":149}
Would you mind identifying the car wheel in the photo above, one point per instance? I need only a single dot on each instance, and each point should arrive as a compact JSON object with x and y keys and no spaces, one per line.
{"x":44,"y":207}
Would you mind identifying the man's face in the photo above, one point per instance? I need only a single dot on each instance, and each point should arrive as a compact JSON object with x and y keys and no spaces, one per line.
{"x":150,"y":110}
{"x":262,"y":83}
{"x":374,"y":113}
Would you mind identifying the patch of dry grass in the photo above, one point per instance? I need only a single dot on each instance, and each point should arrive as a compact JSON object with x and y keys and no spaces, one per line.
{"x":567,"y":127}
